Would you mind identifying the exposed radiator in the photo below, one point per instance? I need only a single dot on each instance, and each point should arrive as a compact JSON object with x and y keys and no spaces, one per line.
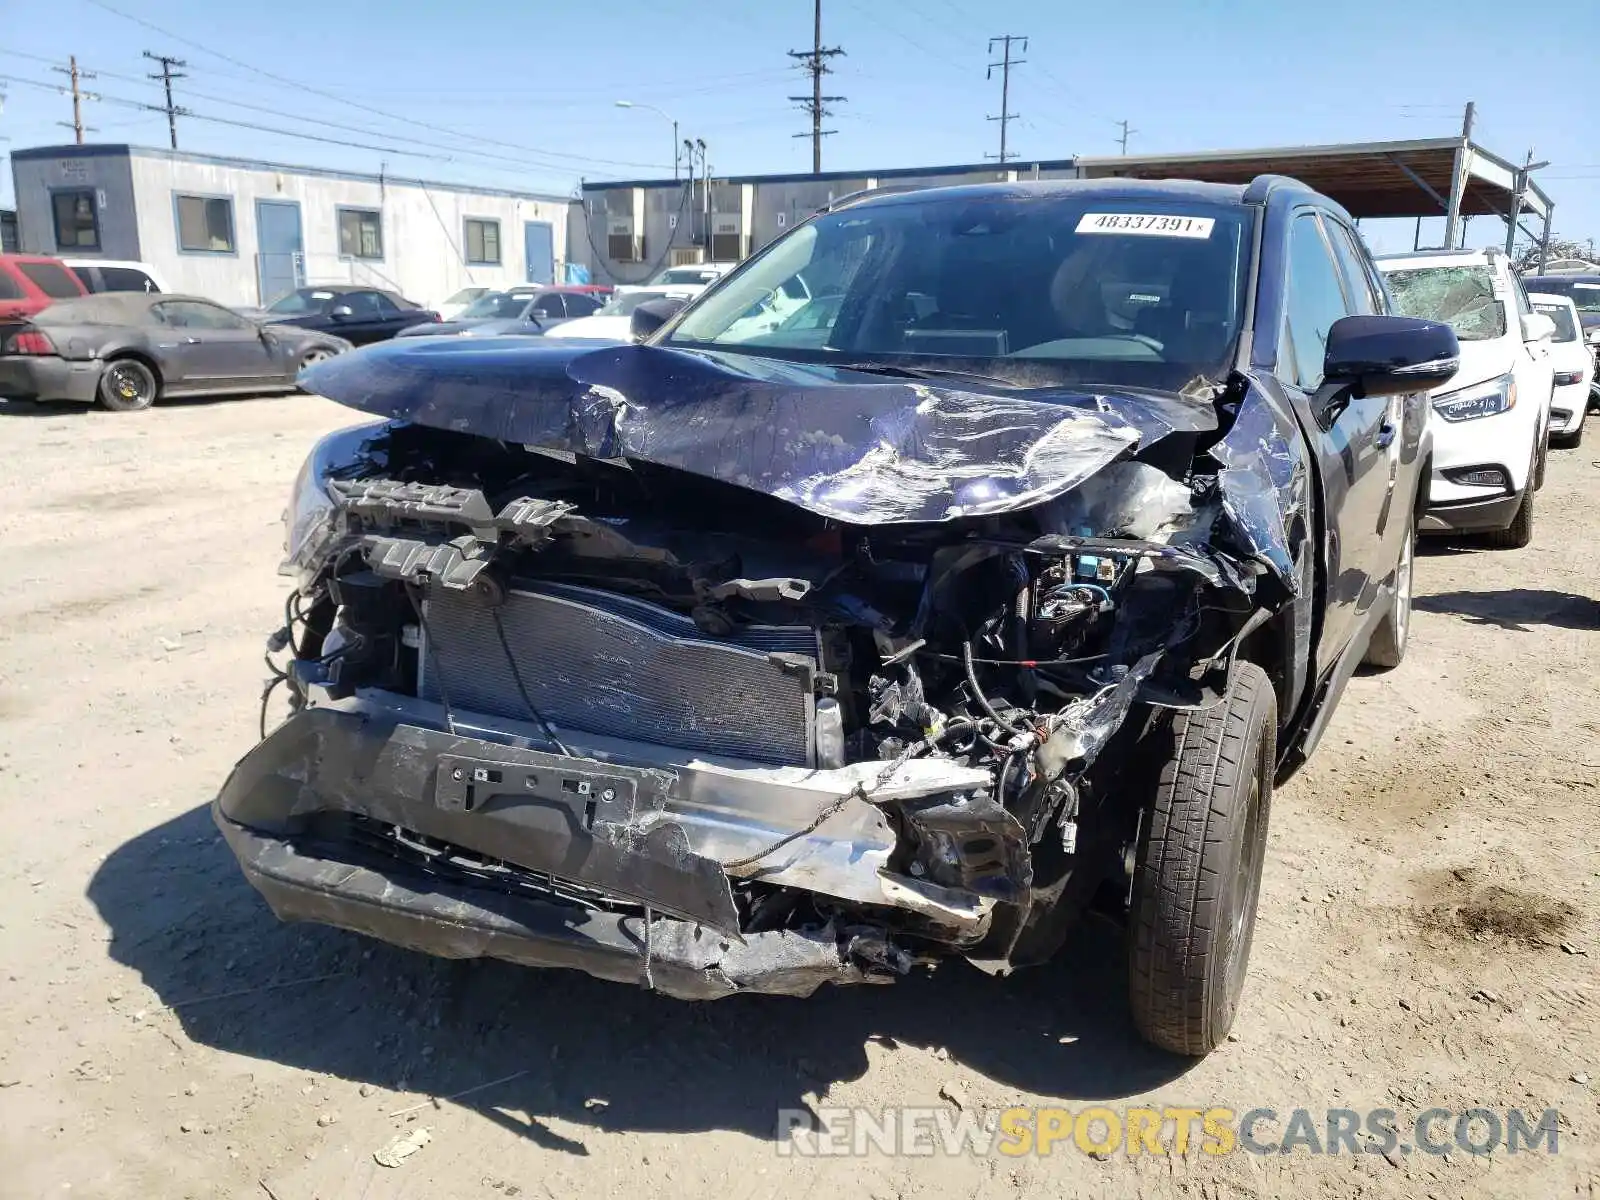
{"x":621,"y":667}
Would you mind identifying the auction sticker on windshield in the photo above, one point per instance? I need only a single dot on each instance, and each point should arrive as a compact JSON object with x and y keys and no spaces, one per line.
{"x":1149,"y":224}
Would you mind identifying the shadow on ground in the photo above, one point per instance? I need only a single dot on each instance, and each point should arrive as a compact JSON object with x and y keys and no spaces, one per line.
{"x":182,"y":916}
{"x":1516,"y":608}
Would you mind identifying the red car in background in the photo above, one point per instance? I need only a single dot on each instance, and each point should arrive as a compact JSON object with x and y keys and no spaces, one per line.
{"x":30,"y":283}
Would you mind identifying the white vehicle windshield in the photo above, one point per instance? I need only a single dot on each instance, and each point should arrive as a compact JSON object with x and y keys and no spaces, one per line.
{"x":1054,"y":287}
{"x":1461,"y":297}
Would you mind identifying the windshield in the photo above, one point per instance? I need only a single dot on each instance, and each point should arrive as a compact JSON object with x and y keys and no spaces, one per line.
{"x":683,"y":275}
{"x":300,"y":302}
{"x":623,"y":303}
{"x":466,"y":294}
{"x":1462,"y":297}
{"x":1566,"y":326}
{"x":496,"y":305}
{"x":1050,"y":287}
{"x":1584,"y":292}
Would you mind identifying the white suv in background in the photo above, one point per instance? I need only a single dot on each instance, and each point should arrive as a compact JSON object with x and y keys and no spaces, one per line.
{"x":1490,"y":438}
{"x":1574,"y":367}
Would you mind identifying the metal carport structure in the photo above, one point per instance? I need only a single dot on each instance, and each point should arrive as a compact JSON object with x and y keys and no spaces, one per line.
{"x":1432,"y":177}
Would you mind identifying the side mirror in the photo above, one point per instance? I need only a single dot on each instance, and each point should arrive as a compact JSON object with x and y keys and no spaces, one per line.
{"x":1384,"y":356}
{"x":652,"y":315}
{"x":341,"y":312}
{"x":1536,"y":327}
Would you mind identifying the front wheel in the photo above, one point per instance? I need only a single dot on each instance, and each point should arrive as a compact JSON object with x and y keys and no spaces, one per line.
{"x":1520,"y":532}
{"x":127,"y":385}
{"x":1388,"y":645}
{"x":1197,"y":875}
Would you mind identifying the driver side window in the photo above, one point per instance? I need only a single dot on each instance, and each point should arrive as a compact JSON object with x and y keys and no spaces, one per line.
{"x":1315,"y":301}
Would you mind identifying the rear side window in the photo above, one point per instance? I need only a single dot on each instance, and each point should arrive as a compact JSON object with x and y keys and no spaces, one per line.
{"x":10,"y":289}
{"x":52,"y":279}
{"x":1316,"y":301}
{"x":126,"y":279}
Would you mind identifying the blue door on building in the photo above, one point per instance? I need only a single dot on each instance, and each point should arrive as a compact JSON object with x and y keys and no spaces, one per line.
{"x":539,"y":251}
{"x":280,"y":253}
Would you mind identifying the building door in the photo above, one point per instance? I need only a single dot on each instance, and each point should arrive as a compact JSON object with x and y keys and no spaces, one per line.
{"x":539,"y":251}
{"x":280,"y":254}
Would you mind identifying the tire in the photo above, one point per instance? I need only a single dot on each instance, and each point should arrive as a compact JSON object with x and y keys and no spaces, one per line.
{"x":128,"y":385}
{"x":1517,"y":534}
{"x":1388,"y":645}
{"x":1569,"y":441}
{"x":1197,"y":875}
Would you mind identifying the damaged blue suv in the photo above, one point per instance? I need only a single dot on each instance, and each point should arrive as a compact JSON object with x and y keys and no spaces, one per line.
{"x":1003,"y":576}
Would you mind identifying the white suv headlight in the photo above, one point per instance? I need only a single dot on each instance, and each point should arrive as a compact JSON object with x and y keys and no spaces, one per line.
{"x":1480,"y":400}
{"x":308,"y":522}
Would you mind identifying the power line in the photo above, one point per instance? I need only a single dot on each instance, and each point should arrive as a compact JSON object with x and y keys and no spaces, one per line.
{"x":816,"y":65}
{"x":1007,"y":62}
{"x":166,"y":77}
{"x":344,"y":100}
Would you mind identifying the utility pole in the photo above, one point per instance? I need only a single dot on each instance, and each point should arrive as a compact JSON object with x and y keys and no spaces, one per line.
{"x":1005,"y":64}
{"x":1523,"y":179}
{"x":816,"y":62}
{"x":78,"y":95}
{"x":166,"y":77}
{"x":1126,"y":132}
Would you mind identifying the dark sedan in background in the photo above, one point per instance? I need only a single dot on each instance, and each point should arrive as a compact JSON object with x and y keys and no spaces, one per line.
{"x":524,"y":311}
{"x":129,"y":349}
{"x":355,"y":312}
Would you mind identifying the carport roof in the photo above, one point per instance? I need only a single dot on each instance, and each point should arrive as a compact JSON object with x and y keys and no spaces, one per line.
{"x":1370,"y":179}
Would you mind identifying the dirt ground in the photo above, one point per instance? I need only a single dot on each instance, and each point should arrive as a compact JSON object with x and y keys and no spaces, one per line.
{"x":1428,"y":933}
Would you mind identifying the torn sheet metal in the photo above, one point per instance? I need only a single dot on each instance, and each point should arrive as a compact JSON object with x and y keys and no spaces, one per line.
{"x":1263,"y":483}
{"x":844,"y":445}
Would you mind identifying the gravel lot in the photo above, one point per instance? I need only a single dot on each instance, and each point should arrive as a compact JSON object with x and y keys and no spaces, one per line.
{"x":1428,"y":932}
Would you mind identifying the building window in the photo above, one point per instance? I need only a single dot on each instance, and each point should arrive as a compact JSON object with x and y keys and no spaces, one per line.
{"x":77,"y":223}
{"x":360,"y":233}
{"x":483,"y":242}
{"x":205,"y":224}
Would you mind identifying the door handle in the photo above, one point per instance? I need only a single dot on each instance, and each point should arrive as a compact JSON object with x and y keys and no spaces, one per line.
{"x":191,"y":341}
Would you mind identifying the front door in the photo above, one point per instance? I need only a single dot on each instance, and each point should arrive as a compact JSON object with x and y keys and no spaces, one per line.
{"x":280,"y":253}
{"x":1350,"y":437}
{"x":212,"y":345}
{"x":539,"y":251}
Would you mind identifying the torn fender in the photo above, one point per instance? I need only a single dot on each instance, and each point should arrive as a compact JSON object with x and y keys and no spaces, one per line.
{"x":845,"y":445}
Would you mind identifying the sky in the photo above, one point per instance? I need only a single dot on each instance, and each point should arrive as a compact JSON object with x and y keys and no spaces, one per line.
{"x":524,"y":94}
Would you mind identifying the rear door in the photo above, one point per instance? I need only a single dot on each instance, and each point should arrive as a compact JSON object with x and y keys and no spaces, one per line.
{"x":1348,"y":434}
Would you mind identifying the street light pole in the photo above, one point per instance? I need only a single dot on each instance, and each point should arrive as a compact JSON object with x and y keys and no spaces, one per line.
{"x":665,"y":116}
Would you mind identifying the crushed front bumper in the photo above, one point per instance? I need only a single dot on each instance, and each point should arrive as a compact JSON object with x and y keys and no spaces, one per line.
{"x":448,"y":921}
{"x":572,"y":859}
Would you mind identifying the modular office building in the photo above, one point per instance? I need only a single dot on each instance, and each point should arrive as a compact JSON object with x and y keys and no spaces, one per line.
{"x":243,"y":232}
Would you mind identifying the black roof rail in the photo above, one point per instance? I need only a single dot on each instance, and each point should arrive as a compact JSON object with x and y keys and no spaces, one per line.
{"x":1256,"y":192}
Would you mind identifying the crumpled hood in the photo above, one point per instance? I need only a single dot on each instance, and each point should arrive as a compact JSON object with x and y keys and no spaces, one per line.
{"x":847,"y":445}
